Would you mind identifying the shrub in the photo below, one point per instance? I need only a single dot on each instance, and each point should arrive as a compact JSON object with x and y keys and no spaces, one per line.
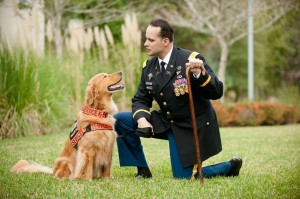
{"x":222,"y":113}
{"x":242,"y":115}
{"x":256,"y":113}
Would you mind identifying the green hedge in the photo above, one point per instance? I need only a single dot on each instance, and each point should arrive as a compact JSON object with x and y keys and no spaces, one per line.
{"x":256,"y":114}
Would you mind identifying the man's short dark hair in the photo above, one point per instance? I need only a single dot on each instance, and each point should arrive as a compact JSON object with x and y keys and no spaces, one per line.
{"x":166,"y":29}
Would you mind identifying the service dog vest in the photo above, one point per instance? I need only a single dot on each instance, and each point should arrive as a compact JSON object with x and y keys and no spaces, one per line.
{"x":76,"y":134}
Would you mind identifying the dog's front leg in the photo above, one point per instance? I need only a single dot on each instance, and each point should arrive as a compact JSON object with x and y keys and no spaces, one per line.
{"x":83,"y":120}
{"x":84,"y":165}
{"x":106,"y":170}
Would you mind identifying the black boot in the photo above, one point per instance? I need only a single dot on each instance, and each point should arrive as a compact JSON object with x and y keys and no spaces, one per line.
{"x":236,"y":164}
{"x":143,"y":172}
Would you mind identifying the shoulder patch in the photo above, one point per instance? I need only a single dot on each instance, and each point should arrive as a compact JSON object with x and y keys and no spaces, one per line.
{"x":193,"y":55}
{"x":145,"y":63}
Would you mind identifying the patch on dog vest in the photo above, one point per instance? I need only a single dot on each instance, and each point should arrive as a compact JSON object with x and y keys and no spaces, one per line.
{"x":73,"y":131}
{"x":76,"y":135}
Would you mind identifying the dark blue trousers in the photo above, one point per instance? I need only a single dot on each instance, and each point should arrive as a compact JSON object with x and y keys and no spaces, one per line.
{"x":131,"y":151}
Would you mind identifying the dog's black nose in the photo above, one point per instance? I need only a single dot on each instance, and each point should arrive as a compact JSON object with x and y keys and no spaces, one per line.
{"x":120,"y":73}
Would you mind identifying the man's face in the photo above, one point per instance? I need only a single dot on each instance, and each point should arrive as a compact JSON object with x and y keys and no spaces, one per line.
{"x":155,"y":44}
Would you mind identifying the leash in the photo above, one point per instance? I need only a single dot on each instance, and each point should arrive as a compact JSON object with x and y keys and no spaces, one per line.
{"x":194,"y":124}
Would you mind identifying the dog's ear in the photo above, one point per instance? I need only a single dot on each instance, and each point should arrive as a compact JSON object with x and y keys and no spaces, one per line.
{"x":90,"y":94}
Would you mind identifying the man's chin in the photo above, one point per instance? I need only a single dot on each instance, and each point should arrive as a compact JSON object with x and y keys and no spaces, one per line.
{"x":149,"y":53}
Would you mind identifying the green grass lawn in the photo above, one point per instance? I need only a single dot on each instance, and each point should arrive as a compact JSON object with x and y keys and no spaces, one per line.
{"x":271,"y":169}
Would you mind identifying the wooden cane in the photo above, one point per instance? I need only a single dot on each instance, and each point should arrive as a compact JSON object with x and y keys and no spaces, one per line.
{"x":194,"y":124}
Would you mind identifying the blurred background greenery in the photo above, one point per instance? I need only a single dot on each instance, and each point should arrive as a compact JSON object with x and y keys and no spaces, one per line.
{"x":42,"y":85}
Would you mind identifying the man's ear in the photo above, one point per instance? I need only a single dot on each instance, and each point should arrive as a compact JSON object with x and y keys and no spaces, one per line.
{"x":166,"y":41}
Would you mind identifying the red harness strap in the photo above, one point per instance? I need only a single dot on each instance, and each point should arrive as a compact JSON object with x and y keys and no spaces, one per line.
{"x":91,"y":127}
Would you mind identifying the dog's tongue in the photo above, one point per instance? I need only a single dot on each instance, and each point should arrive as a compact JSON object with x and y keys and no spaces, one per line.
{"x":116,"y":87}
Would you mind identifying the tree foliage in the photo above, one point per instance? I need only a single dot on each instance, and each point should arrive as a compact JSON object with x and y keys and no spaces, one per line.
{"x":224,"y":20}
{"x":281,"y":54}
{"x":216,"y":28}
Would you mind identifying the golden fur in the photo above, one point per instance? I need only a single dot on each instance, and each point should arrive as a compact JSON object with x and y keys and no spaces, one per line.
{"x":93,"y":159}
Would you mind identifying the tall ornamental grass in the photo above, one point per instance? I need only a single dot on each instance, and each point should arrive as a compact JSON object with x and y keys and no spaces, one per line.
{"x":19,"y":89}
{"x":43,"y":95}
{"x":32,"y":94}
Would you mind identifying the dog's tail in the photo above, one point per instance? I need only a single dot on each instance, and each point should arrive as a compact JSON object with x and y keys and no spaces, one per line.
{"x":24,"y":166}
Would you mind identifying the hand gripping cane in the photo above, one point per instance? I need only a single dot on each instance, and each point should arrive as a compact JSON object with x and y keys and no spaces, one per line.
{"x":194,"y":124}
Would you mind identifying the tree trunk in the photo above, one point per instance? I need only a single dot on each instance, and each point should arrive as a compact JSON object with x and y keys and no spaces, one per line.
{"x":223,"y":62}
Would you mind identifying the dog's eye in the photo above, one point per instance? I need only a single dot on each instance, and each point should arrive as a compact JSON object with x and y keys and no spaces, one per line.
{"x":104,"y":76}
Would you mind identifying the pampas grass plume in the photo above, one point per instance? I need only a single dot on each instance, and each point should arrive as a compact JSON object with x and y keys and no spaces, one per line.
{"x":109,"y":35}
{"x":97,"y":36}
{"x":49,"y":31}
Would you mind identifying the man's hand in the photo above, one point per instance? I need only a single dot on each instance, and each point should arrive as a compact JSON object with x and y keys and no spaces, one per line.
{"x":197,"y":67}
{"x":143,"y":123}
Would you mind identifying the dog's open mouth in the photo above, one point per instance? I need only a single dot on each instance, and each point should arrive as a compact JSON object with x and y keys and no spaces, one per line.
{"x":117,"y":86}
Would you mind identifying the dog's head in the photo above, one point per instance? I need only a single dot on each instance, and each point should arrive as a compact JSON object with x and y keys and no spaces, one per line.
{"x":100,"y":89}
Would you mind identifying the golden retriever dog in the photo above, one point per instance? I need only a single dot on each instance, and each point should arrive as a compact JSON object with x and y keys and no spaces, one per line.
{"x":88,"y":150}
